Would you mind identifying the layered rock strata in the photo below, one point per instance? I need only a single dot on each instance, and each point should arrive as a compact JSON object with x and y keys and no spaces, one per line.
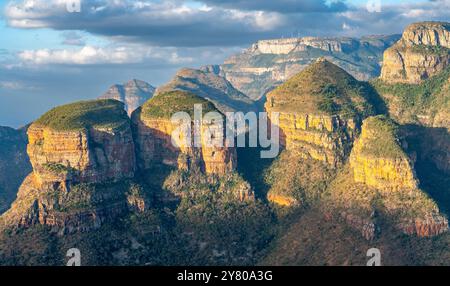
{"x":422,"y":52}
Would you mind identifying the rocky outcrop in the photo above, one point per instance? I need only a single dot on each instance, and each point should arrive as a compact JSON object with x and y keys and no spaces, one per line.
{"x":311,"y":122}
{"x":133,"y":94}
{"x":84,"y":208}
{"x":422,"y":52}
{"x":207,"y":84}
{"x":291,"y":45}
{"x":318,"y":137}
{"x":381,"y":181}
{"x":268,"y":63}
{"x":384,"y":166}
{"x":78,"y":165}
{"x":153,"y":135}
{"x":87,"y":156}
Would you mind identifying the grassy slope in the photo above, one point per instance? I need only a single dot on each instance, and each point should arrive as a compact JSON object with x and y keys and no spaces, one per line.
{"x":323,"y":88}
{"x":165,"y":105}
{"x":385,"y":141}
{"x":406,"y":101}
{"x":102,"y":113}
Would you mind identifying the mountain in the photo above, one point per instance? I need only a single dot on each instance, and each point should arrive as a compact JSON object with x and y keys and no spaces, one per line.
{"x":88,"y":189}
{"x":268,"y":63}
{"x":417,"y":89}
{"x":422,"y":52}
{"x":154,"y":128}
{"x":361,"y":165}
{"x":14,"y":163}
{"x":207,"y":84}
{"x":69,"y":146}
{"x":133,"y":94}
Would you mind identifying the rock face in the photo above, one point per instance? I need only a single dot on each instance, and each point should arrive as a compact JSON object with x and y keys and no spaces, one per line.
{"x":374,"y":166}
{"x":269,"y":63}
{"x":381,"y":181}
{"x":133,"y":94}
{"x":320,"y":111}
{"x":81,"y":144}
{"x":422,"y":52}
{"x":211,"y":86}
{"x":154,"y":128}
{"x":14,"y":163}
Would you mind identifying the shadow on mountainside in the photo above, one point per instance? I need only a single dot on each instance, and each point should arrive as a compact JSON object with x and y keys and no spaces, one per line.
{"x":431,"y":148}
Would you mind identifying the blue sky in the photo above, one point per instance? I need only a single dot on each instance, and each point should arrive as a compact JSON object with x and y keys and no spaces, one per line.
{"x":49,"y":56}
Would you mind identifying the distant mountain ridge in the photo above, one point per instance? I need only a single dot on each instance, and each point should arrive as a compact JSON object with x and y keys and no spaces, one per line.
{"x":133,"y":94}
{"x":268,"y":63}
{"x":209,"y":84}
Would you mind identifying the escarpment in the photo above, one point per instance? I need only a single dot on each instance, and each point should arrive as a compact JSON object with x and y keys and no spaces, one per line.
{"x":380,"y":183}
{"x":269,"y":63}
{"x":422,"y":52}
{"x":74,"y":150}
{"x":199,"y":145}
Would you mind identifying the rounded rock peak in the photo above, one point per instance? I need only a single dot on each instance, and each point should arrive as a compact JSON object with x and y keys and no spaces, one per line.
{"x":98,"y":114}
{"x":165,"y":105}
{"x":322,"y":88}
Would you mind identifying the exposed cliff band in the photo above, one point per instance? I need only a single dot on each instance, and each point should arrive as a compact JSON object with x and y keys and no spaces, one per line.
{"x":70,"y":146}
{"x":380,"y":181}
{"x":422,"y":52}
{"x":154,"y":128}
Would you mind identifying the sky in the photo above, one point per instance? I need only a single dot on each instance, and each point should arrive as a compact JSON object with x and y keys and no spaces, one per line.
{"x":52,"y":54}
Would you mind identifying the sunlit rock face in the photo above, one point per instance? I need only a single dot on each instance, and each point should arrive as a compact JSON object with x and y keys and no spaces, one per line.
{"x":320,"y":110}
{"x":380,"y":180}
{"x":268,"y":63}
{"x":79,"y":153}
{"x":153,"y":129}
{"x":422,"y":52}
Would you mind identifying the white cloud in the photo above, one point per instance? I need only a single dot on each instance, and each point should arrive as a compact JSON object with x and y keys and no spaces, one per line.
{"x":90,"y":55}
{"x":15,"y":85}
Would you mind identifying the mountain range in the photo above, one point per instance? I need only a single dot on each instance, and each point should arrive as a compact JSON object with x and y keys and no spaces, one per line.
{"x":364,"y":162}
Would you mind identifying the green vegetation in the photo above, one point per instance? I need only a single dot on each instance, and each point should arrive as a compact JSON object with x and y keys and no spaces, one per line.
{"x":325,"y":88}
{"x":165,"y":105}
{"x":57,"y":168}
{"x":406,"y":101}
{"x":301,"y":179}
{"x":103,"y":113}
{"x":431,"y":50}
{"x":384,"y":141}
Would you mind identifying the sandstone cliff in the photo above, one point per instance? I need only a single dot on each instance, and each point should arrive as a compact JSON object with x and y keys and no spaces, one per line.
{"x":154,"y":128}
{"x":211,"y":86}
{"x":422,"y":52}
{"x":74,"y":149}
{"x":133,"y":94}
{"x":269,"y":63}
{"x":320,"y":111}
{"x":380,"y":181}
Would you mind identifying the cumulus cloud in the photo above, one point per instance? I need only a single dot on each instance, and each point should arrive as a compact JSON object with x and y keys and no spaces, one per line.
{"x":283,"y":6}
{"x":219,"y":23}
{"x":165,"y":23}
{"x":90,"y":55}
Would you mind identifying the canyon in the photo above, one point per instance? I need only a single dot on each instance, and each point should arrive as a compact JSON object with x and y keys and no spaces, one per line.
{"x":107,"y":174}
